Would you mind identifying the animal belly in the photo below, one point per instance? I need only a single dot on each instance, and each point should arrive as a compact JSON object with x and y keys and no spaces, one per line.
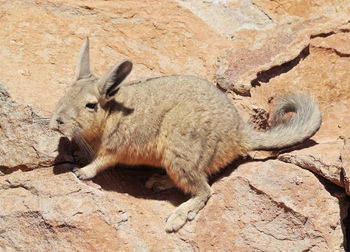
{"x":147,"y":155}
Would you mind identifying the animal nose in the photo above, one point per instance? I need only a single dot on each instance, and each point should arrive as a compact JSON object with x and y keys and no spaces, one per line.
{"x":59,"y":121}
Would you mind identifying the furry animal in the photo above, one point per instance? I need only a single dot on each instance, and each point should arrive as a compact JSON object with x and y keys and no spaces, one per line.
{"x":183,"y":124}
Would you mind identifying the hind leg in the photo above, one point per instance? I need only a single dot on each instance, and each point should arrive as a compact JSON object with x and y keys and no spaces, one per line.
{"x":192,"y":181}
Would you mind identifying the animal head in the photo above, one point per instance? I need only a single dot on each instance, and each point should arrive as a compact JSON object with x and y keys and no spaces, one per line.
{"x":83,"y":107}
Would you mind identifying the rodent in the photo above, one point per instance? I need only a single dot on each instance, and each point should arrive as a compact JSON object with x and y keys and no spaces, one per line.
{"x":183,"y":124}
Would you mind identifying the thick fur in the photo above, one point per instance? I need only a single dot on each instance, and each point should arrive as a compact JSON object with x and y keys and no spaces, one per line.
{"x":181,"y":123}
{"x":304,"y":124}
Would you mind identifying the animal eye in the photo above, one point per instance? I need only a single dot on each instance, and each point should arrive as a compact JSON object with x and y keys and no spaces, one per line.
{"x":91,"y":105}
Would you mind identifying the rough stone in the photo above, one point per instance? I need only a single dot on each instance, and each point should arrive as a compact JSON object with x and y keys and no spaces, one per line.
{"x":261,"y":56}
{"x":345,"y":158}
{"x":275,"y":206}
{"x":228,"y":17}
{"x":271,"y":48}
{"x":43,"y":211}
{"x":26,"y":142}
{"x":279,"y":10}
{"x":4,"y":94}
{"x":322,"y":73}
{"x":159,"y":36}
{"x":259,"y":205}
{"x":319,"y":160}
{"x":314,"y":59}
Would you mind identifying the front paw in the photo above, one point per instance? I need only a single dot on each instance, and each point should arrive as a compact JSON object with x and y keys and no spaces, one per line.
{"x":85,"y":173}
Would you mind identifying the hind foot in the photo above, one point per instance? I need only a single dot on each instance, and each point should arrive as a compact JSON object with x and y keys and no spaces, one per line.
{"x":159,"y":183}
{"x":177,"y":219}
{"x":186,"y":211}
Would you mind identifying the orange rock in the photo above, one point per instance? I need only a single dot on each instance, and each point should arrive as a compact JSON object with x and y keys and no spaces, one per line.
{"x":271,"y":48}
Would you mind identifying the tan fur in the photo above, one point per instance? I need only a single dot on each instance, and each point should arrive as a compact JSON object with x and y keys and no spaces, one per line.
{"x":181,"y":123}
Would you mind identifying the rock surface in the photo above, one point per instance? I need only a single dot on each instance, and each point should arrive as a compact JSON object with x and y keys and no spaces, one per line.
{"x":159,"y":36}
{"x":309,"y":55}
{"x":345,"y":157}
{"x":259,"y":206}
{"x":321,"y":70}
{"x":250,"y":47}
{"x":26,"y":142}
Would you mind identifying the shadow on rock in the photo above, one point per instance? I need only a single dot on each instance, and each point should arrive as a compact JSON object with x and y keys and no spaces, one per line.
{"x":64,"y":162}
{"x":120,"y":178}
{"x":132,"y":179}
{"x":306,"y":144}
{"x":344,"y":206}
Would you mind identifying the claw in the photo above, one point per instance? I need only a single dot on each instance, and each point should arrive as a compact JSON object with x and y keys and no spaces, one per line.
{"x":85,"y":173}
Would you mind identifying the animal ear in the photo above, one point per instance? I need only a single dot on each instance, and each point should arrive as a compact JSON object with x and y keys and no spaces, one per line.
{"x":108,"y":85}
{"x":83,"y":65}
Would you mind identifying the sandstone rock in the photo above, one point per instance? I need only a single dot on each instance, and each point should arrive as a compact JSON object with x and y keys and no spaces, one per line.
{"x":26,"y":142}
{"x":263,"y":56}
{"x":273,"y":205}
{"x":319,"y":69}
{"x":319,"y":159}
{"x":43,"y":211}
{"x":279,"y":10}
{"x":228,"y":17}
{"x":159,"y":36}
{"x":258,"y":206}
{"x":323,"y":73}
{"x":345,"y":158}
{"x":269,"y":205}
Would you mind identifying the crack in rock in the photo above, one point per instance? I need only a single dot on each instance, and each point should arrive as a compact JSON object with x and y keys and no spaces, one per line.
{"x":333,"y":50}
{"x":29,"y":188}
{"x":329,"y":172}
{"x":273,"y":71}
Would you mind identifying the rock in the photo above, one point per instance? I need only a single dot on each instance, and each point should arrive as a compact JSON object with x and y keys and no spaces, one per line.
{"x":262,"y":205}
{"x":265,"y":48}
{"x":275,"y":206}
{"x":303,"y":54}
{"x":159,"y":36}
{"x":328,"y":68}
{"x":4,"y":94}
{"x":279,"y":10}
{"x":228,"y":17}
{"x":43,"y":211}
{"x":345,"y":158}
{"x":319,"y":159}
{"x":263,"y":57}
{"x":26,"y":142}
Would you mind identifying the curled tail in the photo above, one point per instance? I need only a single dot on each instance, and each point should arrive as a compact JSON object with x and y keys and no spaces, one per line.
{"x":303,"y":125}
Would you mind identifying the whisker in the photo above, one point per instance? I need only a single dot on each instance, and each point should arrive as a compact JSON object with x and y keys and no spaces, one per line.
{"x":84,"y":145}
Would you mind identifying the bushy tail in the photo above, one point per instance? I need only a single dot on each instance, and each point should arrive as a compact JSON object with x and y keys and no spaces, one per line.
{"x":303,"y":125}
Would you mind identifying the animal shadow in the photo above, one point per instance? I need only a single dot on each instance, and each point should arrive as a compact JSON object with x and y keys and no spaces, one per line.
{"x":132,"y":179}
{"x":119,"y":178}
